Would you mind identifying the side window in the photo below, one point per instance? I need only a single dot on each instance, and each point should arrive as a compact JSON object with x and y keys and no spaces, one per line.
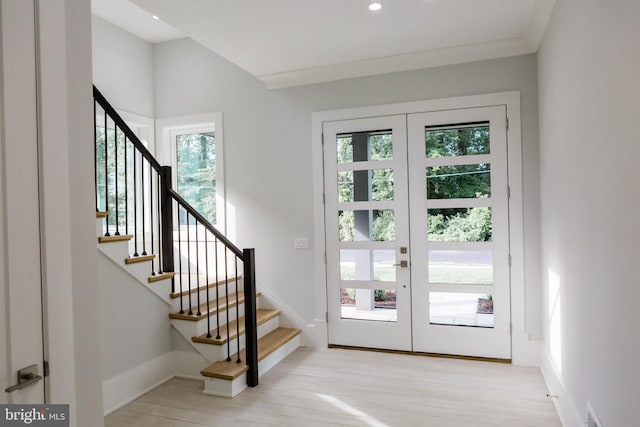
{"x":193,"y":147}
{"x":195,"y":169}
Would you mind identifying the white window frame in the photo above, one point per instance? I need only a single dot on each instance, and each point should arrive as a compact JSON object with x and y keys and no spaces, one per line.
{"x":167,"y":129}
{"x":524,"y":351}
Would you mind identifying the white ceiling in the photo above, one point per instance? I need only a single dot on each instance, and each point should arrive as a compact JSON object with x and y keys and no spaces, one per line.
{"x":293,"y":42}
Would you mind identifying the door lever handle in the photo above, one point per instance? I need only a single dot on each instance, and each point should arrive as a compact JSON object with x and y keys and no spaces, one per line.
{"x":26,"y":377}
{"x":402,"y":264}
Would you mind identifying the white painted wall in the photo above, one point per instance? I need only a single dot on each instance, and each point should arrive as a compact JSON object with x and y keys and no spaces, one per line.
{"x":590,"y":196}
{"x":135,"y":326}
{"x":268,"y":150}
{"x":123,"y":68}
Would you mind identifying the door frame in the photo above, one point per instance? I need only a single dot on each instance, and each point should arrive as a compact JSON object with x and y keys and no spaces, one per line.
{"x":522,"y":347}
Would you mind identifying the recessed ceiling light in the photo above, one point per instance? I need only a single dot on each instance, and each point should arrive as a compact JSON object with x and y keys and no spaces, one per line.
{"x":156,"y":17}
{"x":375,"y":6}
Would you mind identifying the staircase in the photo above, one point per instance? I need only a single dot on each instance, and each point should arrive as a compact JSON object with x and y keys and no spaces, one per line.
{"x":208,"y":283}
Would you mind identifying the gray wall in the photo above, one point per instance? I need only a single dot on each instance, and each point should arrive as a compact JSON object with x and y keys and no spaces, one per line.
{"x":122,"y":68}
{"x":268,"y":149}
{"x":135,"y":326}
{"x":589,"y":149}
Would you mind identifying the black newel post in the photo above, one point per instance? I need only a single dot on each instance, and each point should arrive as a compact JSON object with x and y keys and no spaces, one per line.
{"x":167,"y":222}
{"x":251,"y":332}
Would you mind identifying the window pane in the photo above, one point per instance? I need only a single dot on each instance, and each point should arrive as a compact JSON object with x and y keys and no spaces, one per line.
{"x":366,"y":225}
{"x":457,"y":140}
{"x":196,"y":172}
{"x":461,"y":267}
{"x":367,"y":185}
{"x":459,"y":225}
{"x":368,"y":264}
{"x":368,"y":304}
{"x":457,"y":182}
{"x":461,"y":309}
{"x":364,"y":146}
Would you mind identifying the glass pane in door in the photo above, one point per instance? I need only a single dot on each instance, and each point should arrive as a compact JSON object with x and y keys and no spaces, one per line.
{"x":457,"y":140}
{"x":461,"y":309}
{"x":368,"y":304}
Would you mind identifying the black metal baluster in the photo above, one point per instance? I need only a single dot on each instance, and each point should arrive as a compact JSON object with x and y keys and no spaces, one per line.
{"x":115,"y":162}
{"x":206,"y":263}
{"x":106,"y":177}
{"x":95,"y":153}
{"x":160,"y":219}
{"x":180,"y":261}
{"x":217,"y":290}
{"x":226,"y":282}
{"x":126,"y":189}
{"x":237,"y":312}
{"x":189,"y":263}
{"x":198,"y":272}
{"x":142,"y":201}
{"x":153,"y":260}
{"x":135,"y":205}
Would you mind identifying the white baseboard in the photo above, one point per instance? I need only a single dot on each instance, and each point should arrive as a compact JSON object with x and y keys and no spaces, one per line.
{"x":315,"y":334}
{"x":131,"y":384}
{"x":188,"y":364}
{"x":526,"y":352}
{"x":566,"y":408}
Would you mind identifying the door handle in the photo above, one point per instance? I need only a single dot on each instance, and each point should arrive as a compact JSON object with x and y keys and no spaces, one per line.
{"x":402,"y":264}
{"x":26,"y":377}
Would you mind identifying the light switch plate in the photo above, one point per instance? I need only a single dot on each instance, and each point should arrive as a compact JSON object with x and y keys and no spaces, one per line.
{"x":301,"y":243}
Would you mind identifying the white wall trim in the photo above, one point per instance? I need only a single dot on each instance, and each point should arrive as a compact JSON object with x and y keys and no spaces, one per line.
{"x":143,"y":123}
{"x":569,"y":415}
{"x":397,"y":63}
{"x":129,"y":385}
{"x":189,"y":364}
{"x":524,"y":351}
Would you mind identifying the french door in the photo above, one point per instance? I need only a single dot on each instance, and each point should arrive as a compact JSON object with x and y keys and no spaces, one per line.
{"x":417,"y":232}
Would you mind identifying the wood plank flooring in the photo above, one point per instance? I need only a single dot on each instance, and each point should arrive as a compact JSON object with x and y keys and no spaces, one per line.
{"x":337,"y":387}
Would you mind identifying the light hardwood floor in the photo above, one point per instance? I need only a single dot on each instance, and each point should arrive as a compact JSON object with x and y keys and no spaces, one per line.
{"x":336,"y":387}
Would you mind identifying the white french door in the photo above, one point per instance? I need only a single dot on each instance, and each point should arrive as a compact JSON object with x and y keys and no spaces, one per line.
{"x":366,"y":184}
{"x":417,"y":232}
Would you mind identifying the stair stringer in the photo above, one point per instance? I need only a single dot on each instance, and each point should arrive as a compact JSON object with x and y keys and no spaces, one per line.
{"x":289,"y":318}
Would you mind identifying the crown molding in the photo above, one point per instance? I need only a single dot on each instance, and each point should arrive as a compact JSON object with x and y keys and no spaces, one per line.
{"x":396,"y":63}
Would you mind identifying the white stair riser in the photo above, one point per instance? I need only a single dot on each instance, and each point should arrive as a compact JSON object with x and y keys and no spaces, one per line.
{"x":117,"y":251}
{"x":225,"y":388}
{"x":213,"y":353}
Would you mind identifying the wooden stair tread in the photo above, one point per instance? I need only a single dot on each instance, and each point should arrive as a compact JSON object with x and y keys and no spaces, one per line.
{"x":212,"y":307}
{"x":262,"y":316}
{"x":139,"y":258}
{"x":175,"y":295}
{"x":159,"y":277}
{"x":266,"y":345}
{"x":118,"y":238}
{"x":100,"y":214}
